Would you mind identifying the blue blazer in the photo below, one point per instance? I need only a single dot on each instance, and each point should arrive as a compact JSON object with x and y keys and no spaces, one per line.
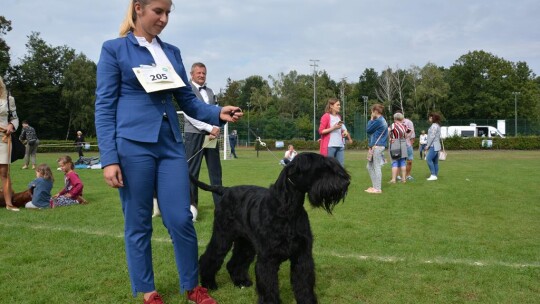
{"x":124,"y":109}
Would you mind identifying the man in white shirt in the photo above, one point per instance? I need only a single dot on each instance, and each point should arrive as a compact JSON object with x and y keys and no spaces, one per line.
{"x":194,"y":136}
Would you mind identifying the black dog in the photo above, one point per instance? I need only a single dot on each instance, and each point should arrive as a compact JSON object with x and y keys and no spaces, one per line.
{"x":273,"y":225}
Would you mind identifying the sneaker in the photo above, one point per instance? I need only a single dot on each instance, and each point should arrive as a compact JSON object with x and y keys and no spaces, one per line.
{"x":24,"y":167}
{"x":410,"y":177}
{"x":154,"y":298}
{"x":432,"y":178}
{"x":199,"y":295}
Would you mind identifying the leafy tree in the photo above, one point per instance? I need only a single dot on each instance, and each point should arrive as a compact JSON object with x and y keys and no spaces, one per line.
{"x":5,"y":27}
{"x":294,"y":93}
{"x":37,"y":84}
{"x":231,"y":96}
{"x":478,"y":84}
{"x":386,"y":91}
{"x":431,"y":89}
{"x":78,"y":94}
{"x":368,"y":83}
{"x":248,"y":84}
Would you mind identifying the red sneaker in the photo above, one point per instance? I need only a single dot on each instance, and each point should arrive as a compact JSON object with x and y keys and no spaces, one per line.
{"x":199,"y":295}
{"x":154,"y":298}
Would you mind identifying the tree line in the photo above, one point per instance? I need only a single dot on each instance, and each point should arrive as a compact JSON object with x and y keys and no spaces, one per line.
{"x":54,"y":88}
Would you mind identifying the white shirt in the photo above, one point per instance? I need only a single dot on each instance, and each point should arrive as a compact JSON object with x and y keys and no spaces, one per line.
{"x":201,"y":126}
{"x":155,"y":49}
{"x":336,"y":139}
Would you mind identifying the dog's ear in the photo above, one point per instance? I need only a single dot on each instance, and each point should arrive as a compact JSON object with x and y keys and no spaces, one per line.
{"x":300,"y":164}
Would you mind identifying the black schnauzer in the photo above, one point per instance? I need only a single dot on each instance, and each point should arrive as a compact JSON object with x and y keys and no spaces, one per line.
{"x":273,"y":225}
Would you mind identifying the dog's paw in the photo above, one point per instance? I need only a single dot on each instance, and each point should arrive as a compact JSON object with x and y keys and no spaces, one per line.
{"x":243,"y":283}
{"x":209,"y":285}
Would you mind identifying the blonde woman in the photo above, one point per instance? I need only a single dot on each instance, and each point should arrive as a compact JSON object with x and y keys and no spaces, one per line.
{"x":9,"y":122}
{"x":141,"y":147}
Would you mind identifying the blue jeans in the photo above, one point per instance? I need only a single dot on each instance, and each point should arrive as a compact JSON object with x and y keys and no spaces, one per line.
{"x":337,"y":153}
{"x":432,"y":158}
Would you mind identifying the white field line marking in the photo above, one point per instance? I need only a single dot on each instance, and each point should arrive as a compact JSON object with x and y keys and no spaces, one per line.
{"x":385,"y":259}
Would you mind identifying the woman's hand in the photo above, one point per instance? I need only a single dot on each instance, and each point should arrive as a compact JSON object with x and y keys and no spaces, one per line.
{"x":230,"y":113}
{"x":113,"y":176}
{"x":10,"y":129}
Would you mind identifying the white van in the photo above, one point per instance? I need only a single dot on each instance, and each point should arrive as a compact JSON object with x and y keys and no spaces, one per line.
{"x":471,"y":131}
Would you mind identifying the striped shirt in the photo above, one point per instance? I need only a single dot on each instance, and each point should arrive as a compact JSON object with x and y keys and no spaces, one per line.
{"x":398,"y":130}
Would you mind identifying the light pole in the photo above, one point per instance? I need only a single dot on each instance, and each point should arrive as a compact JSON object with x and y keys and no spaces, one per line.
{"x":515,"y":111}
{"x":314,"y":65}
{"x":365,"y":98}
{"x":342,"y":93}
{"x":248,"y":105}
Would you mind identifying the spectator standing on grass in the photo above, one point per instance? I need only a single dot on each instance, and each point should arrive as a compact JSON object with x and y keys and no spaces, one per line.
{"x":8,"y":125}
{"x":377,"y":130}
{"x":233,"y":140}
{"x":195,"y":132}
{"x":331,"y":129}
{"x":79,"y":142}
{"x":141,"y":146}
{"x":433,"y":146}
{"x":410,"y":138}
{"x":422,"y":143}
{"x":398,"y":133}
{"x":29,"y":138}
{"x":41,"y":188}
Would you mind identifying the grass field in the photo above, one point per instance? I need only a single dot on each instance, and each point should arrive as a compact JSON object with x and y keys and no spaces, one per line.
{"x":473,"y":236}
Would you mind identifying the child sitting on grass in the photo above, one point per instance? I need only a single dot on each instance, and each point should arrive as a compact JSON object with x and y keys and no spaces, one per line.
{"x":73,"y":189}
{"x":41,"y":188}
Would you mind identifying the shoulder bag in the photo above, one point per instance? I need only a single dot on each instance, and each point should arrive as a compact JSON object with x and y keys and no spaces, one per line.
{"x":370,"y":150}
{"x":442,"y":153}
{"x":18,"y":150}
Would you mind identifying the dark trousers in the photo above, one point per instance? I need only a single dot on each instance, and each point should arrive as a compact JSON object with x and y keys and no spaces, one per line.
{"x":233,"y":151}
{"x":194,"y":143}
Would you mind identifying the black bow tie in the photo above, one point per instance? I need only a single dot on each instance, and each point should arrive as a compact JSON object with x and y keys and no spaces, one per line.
{"x":202,"y":88}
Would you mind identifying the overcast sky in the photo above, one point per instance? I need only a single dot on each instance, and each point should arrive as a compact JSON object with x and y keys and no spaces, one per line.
{"x":238,"y":39}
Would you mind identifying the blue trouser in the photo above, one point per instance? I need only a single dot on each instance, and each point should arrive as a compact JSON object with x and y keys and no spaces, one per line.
{"x":337,"y":153}
{"x":432,"y":158}
{"x":159,"y":167}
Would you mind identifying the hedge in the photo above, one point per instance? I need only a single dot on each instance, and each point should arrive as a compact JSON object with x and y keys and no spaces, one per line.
{"x":451,"y":143}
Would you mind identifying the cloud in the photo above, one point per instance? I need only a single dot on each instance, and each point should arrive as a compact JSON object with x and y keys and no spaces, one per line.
{"x":238,"y":39}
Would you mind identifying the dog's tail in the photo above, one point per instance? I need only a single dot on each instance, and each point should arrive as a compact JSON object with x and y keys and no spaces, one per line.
{"x":212,"y":188}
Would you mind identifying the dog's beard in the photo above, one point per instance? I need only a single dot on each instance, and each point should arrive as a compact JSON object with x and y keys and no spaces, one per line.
{"x":327,"y":194}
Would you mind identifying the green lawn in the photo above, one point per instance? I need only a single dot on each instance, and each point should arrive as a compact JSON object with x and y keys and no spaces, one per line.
{"x":472,"y":236}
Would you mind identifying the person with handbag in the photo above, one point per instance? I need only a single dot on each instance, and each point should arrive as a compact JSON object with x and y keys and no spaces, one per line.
{"x":433,"y":145}
{"x":398,"y":147}
{"x":377,"y":130}
{"x":29,"y":138}
{"x":8,"y":125}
